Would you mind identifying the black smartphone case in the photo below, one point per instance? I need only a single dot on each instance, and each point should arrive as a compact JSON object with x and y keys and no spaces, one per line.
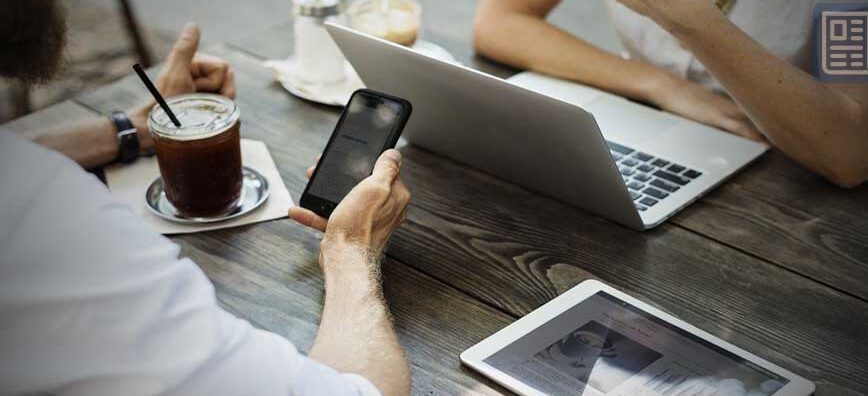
{"x":324,"y":207}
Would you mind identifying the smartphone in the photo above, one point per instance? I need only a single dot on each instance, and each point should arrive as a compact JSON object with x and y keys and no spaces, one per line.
{"x":370,"y":124}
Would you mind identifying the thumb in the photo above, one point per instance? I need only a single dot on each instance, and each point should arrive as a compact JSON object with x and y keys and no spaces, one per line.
{"x":186,"y":46}
{"x":388,"y":166}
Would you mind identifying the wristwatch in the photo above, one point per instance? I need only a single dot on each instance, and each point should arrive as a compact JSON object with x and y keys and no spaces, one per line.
{"x":128,"y":137}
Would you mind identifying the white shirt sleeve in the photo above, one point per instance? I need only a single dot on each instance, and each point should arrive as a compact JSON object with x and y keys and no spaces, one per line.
{"x":93,"y":302}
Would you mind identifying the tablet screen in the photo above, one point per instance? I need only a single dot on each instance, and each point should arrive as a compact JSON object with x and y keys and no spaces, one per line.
{"x":605,"y":346}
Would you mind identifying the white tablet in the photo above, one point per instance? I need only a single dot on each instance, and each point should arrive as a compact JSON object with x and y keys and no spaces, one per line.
{"x":594,"y":340}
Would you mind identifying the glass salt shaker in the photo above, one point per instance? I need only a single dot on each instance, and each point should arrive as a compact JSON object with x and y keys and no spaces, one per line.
{"x":318,"y":59}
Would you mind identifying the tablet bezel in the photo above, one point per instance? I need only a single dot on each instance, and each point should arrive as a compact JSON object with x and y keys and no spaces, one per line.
{"x":475,"y":356}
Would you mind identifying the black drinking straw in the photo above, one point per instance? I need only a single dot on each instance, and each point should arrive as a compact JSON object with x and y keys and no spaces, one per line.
{"x":148,"y":84}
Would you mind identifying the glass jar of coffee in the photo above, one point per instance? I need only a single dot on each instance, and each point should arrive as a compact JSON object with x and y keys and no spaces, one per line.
{"x":200,"y":162}
{"x":397,"y":21}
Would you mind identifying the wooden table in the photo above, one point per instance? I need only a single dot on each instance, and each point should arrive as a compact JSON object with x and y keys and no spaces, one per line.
{"x":774,"y":261}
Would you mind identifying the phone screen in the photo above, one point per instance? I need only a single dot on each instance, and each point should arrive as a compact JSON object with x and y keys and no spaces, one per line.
{"x":369,"y":122}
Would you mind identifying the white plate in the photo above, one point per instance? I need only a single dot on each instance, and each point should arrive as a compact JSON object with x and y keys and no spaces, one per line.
{"x":337,"y":94}
{"x":254,"y":191}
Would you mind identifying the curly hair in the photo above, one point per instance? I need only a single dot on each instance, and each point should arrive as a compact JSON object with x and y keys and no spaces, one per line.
{"x":32,"y":38}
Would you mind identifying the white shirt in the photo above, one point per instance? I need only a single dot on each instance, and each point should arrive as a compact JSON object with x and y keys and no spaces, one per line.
{"x":784,"y":27}
{"x":93,"y":302}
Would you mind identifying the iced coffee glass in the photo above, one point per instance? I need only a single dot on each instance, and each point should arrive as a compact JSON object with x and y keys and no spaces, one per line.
{"x":398,"y":21}
{"x":200,"y":162}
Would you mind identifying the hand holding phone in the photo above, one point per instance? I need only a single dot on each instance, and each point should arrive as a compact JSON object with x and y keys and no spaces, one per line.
{"x":369,"y":214}
{"x":370,"y":124}
{"x":375,"y":205}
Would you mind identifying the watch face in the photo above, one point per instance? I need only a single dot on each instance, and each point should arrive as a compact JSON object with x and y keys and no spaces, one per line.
{"x":128,"y":145}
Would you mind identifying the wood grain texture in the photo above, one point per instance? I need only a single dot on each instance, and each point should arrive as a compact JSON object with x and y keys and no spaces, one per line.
{"x":516,"y":250}
{"x":269,"y":275}
{"x":779,"y":211}
{"x":775,"y":210}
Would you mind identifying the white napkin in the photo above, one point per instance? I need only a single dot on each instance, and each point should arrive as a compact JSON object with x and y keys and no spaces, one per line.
{"x":336,"y":94}
{"x":128,"y":184}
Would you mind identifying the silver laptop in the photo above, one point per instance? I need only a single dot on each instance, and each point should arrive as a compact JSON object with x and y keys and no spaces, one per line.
{"x":623,"y":161}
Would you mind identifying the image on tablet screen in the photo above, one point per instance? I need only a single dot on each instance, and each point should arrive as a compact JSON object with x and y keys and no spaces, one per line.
{"x":598,"y":356}
{"x":604,"y":346}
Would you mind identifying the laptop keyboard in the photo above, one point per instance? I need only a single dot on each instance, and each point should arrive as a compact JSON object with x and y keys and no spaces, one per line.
{"x":649,"y":179}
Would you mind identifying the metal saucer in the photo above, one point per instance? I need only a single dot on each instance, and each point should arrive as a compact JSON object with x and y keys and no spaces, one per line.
{"x":254,"y":192}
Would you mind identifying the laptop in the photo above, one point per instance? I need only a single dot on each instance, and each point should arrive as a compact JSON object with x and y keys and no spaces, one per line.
{"x":623,"y":161}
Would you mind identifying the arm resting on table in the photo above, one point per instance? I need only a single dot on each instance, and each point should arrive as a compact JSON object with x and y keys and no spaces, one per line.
{"x":823,"y":126}
{"x":356,"y":333}
{"x":91,"y":142}
{"x":515,"y":32}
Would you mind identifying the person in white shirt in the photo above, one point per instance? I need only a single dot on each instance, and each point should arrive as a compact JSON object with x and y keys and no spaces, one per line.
{"x":743,"y":66}
{"x":94,"y":302}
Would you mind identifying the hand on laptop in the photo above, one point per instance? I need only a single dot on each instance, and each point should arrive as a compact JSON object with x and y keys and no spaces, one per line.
{"x":369,"y":214}
{"x":693,"y":101}
{"x":687,"y":98}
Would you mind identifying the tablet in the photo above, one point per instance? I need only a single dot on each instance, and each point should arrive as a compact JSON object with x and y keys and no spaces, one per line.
{"x":594,"y":340}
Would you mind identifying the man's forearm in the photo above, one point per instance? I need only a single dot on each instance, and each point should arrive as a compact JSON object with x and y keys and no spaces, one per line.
{"x":356,"y":334}
{"x":818,"y":125}
{"x":90,"y":142}
{"x":527,"y":41}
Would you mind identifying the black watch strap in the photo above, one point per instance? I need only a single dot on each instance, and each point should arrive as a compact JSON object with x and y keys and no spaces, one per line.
{"x":128,"y":137}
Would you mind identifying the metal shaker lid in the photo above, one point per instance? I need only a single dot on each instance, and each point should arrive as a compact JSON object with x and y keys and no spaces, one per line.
{"x":318,"y":8}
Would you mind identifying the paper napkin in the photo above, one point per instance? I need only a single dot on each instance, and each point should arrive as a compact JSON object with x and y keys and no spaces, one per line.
{"x":128,"y":184}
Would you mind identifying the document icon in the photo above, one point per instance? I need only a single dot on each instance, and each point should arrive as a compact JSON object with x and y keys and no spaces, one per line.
{"x":843,"y":43}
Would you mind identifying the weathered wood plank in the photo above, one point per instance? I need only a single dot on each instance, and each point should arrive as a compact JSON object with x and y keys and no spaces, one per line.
{"x":775,"y":210}
{"x":269,"y":275}
{"x":517,"y":250}
{"x":779,"y":211}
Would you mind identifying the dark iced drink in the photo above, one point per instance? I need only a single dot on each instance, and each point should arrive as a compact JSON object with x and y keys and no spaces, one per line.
{"x":200,"y":162}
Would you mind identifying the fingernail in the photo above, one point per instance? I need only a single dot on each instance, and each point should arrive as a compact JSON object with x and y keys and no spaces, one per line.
{"x":290,"y":213}
{"x":191,"y":28}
